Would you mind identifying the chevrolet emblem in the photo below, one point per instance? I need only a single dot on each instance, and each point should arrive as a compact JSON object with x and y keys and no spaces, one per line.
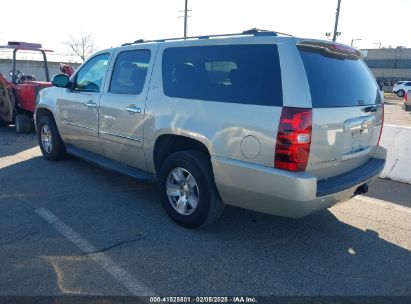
{"x":366,"y":124}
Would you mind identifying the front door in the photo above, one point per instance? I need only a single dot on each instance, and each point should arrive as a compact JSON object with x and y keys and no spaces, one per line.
{"x":122,"y":107}
{"x":78,"y":107}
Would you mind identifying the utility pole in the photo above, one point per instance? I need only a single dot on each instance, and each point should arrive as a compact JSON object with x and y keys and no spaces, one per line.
{"x":185,"y":19}
{"x":186,"y":10}
{"x":336,"y":21}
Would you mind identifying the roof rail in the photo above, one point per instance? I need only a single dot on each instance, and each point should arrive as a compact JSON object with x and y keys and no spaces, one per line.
{"x":252,"y":32}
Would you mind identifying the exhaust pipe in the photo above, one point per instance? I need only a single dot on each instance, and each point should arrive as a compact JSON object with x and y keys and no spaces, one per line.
{"x":361,"y":189}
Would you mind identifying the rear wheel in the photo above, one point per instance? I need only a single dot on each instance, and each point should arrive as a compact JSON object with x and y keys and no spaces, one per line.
{"x":49,"y":139}
{"x":400,"y":93}
{"x":188,"y":191}
{"x":22,"y":123}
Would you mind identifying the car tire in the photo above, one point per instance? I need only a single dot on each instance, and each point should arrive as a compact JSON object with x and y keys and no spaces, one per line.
{"x":189,"y":173}
{"x":22,"y":123}
{"x":400,"y":93}
{"x":51,"y":145}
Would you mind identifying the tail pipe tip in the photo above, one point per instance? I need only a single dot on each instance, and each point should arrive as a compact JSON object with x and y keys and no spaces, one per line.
{"x":361,"y":189}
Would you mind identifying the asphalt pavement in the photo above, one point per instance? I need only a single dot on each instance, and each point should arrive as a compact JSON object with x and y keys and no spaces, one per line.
{"x":394,"y":113}
{"x":71,"y":228}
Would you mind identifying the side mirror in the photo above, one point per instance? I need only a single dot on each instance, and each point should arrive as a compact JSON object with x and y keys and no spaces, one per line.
{"x":60,"y":80}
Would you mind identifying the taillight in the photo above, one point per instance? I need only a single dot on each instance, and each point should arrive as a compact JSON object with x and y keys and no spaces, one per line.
{"x":293,"y":139}
{"x":382,"y":125}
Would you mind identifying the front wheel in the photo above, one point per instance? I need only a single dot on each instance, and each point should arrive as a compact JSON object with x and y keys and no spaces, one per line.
{"x":51,"y":145}
{"x":400,"y":93}
{"x":188,"y":191}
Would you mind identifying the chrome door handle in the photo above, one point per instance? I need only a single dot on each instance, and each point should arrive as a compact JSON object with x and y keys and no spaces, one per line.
{"x":90,"y":104}
{"x":132,"y":109}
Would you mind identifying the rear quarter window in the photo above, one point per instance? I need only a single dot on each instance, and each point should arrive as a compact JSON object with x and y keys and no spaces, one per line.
{"x":246,"y":74}
{"x":338,"y":81}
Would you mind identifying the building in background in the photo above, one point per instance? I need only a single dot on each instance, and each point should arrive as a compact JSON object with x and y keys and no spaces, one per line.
{"x":32,"y":67}
{"x":389,"y":65}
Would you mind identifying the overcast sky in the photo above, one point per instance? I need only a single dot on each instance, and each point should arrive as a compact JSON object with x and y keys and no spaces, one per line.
{"x":112,"y":23}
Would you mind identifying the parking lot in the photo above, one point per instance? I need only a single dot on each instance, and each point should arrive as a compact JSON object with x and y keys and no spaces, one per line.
{"x":75,"y":229}
{"x":394,"y":115}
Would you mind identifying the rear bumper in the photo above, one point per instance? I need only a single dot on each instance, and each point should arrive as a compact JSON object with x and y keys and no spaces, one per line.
{"x":350,"y":179}
{"x":289,"y":194}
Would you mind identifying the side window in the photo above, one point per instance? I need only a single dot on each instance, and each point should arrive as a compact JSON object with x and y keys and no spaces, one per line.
{"x":245,"y":74}
{"x":130,"y":71}
{"x":408,"y":84}
{"x":91,"y":75}
{"x":219,"y":71}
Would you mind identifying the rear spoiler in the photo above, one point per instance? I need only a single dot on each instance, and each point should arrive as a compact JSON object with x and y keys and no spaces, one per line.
{"x":330,"y":49}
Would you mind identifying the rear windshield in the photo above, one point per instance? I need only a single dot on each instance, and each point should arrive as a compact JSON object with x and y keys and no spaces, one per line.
{"x":338,"y":81}
{"x":247,"y":74}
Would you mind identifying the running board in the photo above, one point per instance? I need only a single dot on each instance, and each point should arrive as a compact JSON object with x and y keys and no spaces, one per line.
{"x":109,"y":164}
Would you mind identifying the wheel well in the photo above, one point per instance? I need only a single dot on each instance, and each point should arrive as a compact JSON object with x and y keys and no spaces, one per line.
{"x":168,"y":144}
{"x":40,"y":112}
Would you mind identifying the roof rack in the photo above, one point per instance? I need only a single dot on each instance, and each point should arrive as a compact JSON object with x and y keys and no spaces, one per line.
{"x":252,"y":32}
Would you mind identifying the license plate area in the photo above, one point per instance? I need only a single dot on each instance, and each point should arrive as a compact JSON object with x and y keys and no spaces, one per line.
{"x":357,"y":141}
{"x":357,"y":137}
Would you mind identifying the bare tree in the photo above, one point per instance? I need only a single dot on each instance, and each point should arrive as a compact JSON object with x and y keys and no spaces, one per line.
{"x":82,"y":46}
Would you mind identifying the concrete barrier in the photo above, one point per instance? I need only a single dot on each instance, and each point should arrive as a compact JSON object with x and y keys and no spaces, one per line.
{"x":397,"y":140}
{"x":407,"y":103}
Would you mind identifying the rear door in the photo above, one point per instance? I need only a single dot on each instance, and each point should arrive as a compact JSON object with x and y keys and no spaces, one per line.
{"x":347,"y":108}
{"x":122,"y":106}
